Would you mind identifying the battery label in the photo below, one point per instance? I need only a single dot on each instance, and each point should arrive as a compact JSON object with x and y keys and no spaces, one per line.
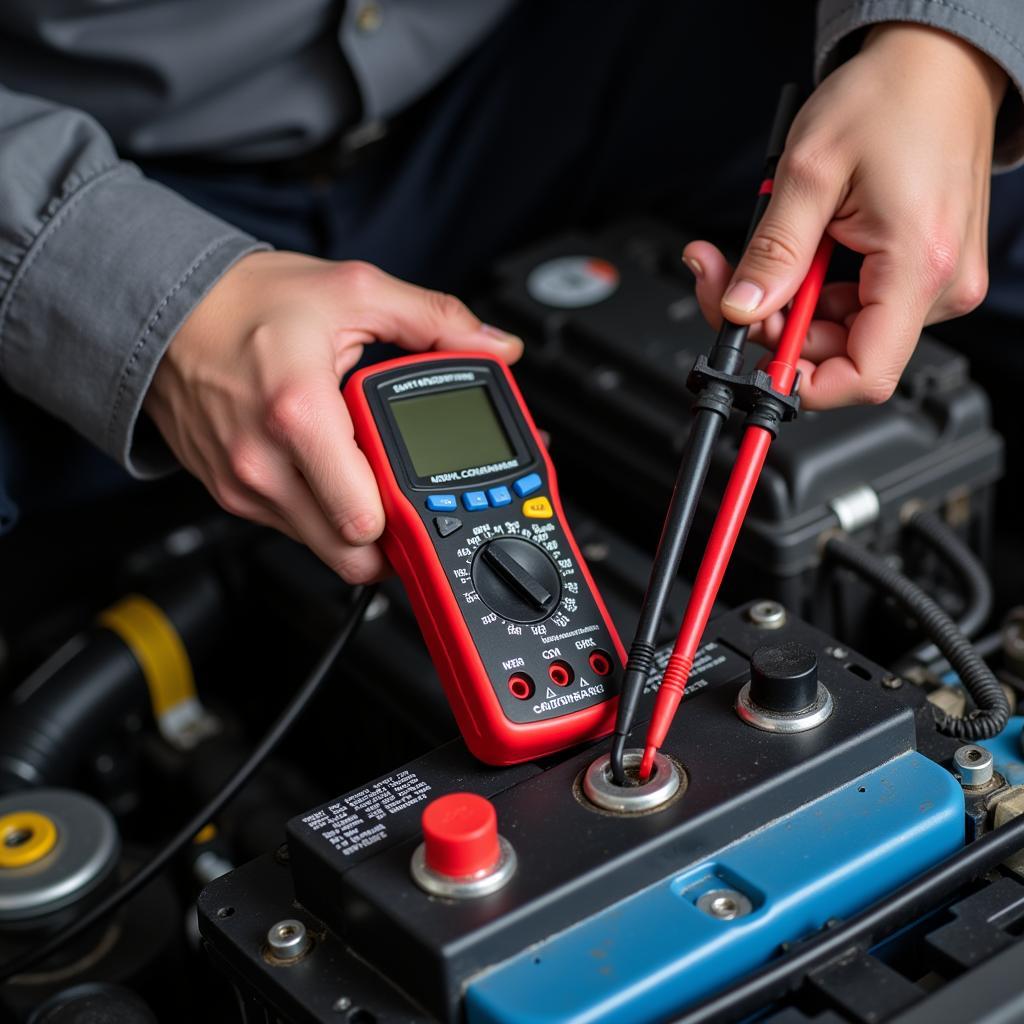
{"x":714,"y":663}
{"x":363,"y":822}
{"x":360,"y":819}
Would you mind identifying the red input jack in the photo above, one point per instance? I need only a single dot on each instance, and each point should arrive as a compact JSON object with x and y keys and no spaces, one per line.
{"x":521,"y":686}
{"x":561,"y":673}
{"x":600,"y":663}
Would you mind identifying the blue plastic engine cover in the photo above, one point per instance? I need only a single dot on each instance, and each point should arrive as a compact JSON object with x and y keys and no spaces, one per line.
{"x":656,"y":952}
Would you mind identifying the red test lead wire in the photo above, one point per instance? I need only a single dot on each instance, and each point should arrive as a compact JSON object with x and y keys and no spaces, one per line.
{"x":733,"y":510}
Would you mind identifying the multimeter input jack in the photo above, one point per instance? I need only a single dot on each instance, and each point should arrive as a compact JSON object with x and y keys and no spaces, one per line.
{"x":520,"y":685}
{"x":600,"y":663}
{"x":561,"y":673}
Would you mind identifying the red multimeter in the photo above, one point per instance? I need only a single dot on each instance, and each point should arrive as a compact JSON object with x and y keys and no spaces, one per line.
{"x":518,"y":633}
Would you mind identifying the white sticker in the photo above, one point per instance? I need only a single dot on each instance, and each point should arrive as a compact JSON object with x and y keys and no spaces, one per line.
{"x":359,"y":820}
{"x":570,"y":282}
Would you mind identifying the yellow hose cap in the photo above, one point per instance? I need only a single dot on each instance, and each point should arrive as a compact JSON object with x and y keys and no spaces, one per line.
{"x":26,"y":837}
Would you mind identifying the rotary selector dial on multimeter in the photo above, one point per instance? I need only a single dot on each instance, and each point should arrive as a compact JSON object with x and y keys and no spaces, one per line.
{"x":519,"y":635}
{"x":515,"y":578}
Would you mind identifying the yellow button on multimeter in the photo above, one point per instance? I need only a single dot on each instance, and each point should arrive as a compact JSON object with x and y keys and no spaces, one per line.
{"x":537,"y":508}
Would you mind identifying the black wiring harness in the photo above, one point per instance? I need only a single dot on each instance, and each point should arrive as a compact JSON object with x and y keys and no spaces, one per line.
{"x":966,"y":566}
{"x":992,"y":710}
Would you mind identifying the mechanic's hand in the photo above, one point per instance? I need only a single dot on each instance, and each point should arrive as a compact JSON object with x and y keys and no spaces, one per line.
{"x":892,"y":156}
{"x":247,"y":393}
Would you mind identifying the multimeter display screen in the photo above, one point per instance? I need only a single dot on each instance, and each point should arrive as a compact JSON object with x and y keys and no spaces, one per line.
{"x":451,"y":430}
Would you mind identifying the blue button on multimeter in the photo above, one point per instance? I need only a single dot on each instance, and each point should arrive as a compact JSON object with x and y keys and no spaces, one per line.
{"x":474,"y":501}
{"x":442,"y":503}
{"x":499,"y":496}
{"x":527,"y":484}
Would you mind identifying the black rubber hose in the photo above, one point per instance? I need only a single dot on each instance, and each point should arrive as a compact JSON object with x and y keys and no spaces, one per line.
{"x":968,"y":569}
{"x":55,"y":718}
{"x":228,"y":791}
{"x":991,"y":707}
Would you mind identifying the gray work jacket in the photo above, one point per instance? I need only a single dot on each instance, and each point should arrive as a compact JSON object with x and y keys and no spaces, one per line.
{"x":99,"y":266}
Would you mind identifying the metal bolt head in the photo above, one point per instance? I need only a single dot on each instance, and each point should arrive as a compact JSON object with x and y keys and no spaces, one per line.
{"x":767,"y":614}
{"x":725,"y":904}
{"x":974,"y":764}
{"x":288,"y":939}
{"x":341,"y":1004}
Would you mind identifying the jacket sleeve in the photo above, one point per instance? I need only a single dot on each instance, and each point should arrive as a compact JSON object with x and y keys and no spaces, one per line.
{"x":996,"y":27}
{"x":98,"y":268}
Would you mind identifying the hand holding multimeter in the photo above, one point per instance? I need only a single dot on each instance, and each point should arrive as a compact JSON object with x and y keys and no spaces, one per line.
{"x":526,"y":652}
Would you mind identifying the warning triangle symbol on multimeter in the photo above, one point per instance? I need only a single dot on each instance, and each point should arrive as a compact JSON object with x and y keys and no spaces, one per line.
{"x":550,"y":693}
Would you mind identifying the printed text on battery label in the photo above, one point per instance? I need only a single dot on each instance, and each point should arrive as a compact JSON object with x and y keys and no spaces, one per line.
{"x":347,"y":824}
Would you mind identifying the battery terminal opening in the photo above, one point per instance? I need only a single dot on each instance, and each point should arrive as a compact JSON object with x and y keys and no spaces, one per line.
{"x":666,"y":782}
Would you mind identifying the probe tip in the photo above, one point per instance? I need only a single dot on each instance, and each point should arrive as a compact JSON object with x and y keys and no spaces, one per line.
{"x":647,"y":764}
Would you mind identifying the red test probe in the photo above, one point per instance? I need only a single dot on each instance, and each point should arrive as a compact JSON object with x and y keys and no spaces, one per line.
{"x":742,"y":481}
{"x":718,"y":388}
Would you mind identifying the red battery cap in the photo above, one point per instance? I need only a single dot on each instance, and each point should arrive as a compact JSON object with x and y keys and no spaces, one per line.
{"x":460,"y":835}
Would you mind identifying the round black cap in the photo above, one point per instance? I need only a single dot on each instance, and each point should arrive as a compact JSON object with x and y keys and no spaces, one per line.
{"x":784,"y":677}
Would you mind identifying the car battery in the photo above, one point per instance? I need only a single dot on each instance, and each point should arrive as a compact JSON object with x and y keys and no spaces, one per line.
{"x":613,"y":321}
{"x":408,"y":899}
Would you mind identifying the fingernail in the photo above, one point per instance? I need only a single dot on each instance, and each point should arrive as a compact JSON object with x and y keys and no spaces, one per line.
{"x":694,"y":265}
{"x":499,"y":335}
{"x":745,"y":296}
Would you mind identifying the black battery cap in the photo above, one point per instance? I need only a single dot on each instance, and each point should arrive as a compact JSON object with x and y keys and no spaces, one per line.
{"x":784,"y":677}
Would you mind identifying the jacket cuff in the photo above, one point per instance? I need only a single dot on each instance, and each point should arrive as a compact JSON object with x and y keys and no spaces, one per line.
{"x":101,"y":291}
{"x":984,"y":24}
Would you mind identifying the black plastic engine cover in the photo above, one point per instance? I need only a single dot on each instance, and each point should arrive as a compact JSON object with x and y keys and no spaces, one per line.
{"x":608,"y":379}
